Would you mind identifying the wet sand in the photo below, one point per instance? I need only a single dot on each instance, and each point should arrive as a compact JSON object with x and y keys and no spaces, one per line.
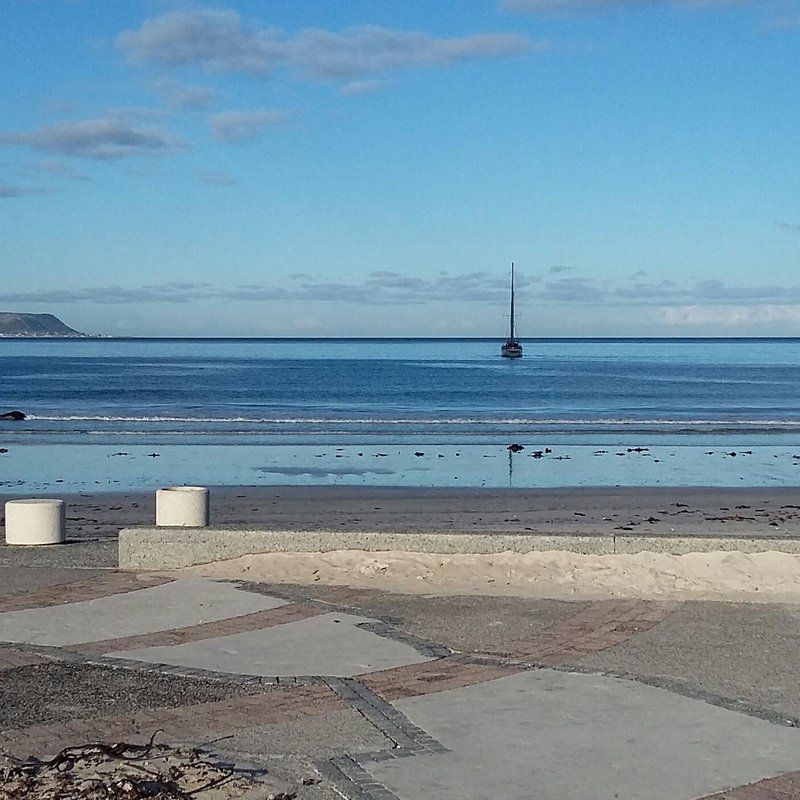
{"x":772,"y":512}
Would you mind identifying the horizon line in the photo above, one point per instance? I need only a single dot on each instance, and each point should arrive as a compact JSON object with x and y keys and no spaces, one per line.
{"x":107,"y":337}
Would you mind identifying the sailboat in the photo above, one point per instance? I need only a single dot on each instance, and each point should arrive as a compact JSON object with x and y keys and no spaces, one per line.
{"x":512,"y":348}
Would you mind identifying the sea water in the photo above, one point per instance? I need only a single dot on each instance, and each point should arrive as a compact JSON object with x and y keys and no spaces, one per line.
{"x":136,"y":413}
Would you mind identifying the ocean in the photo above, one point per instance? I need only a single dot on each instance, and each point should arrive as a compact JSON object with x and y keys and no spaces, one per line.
{"x":253,"y":411}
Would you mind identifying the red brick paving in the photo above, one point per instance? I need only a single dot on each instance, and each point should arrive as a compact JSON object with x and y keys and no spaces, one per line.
{"x":78,"y":591}
{"x":782,"y":787}
{"x":197,"y":722}
{"x":432,"y":676}
{"x":604,"y":624}
{"x":207,"y":630}
{"x":11,"y":657}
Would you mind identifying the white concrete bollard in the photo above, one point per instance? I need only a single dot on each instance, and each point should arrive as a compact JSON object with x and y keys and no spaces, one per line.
{"x":31,"y":522}
{"x":182,"y":507}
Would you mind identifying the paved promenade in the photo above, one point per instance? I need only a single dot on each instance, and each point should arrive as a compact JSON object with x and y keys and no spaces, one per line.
{"x":333,"y":692}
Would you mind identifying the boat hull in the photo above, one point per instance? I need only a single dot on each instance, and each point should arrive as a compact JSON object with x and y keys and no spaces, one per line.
{"x":511,"y":350}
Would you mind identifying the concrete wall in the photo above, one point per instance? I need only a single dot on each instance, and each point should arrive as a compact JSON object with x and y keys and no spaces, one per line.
{"x":172,"y":548}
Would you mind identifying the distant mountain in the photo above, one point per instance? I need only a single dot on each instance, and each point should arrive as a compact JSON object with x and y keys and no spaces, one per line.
{"x":12,"y":324}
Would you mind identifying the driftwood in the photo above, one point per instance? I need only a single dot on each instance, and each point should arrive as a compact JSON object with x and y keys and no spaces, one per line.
{"x":126,"y":771}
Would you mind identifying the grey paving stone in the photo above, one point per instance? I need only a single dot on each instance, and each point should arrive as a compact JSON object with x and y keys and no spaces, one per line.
{"x":567,"y":736}
{"x":329,"y":644}
{"x":320,"y":737}
{"x":745,"y":652}
{"x":158,"y":608}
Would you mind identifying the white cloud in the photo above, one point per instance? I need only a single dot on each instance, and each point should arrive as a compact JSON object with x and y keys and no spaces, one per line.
{"x":221,"y":41}
{"x":216,"y":178}
{"x":103,"y":138}
{"x":362,"y":87}
{"x":662,"y":303}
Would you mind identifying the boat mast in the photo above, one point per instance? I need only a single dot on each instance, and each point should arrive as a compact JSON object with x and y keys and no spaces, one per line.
{"x":512,"y":301}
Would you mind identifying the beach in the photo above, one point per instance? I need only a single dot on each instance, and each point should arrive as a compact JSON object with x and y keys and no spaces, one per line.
{"x":691,"y":511}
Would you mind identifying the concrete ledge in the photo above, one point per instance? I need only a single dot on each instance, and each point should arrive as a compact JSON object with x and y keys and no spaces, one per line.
{"x":173,"y":548}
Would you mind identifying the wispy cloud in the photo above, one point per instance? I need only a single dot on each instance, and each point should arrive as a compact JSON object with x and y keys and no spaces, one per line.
{"x":214,"y":178}
{"x":114,"y":295}
{"x":363,"y":87}
{"x":573,"y":290}
{"x":731,"y":316}
{"x":705,"y":293}
{"x":103,"y":138}
{"x":389,"y":288}
{"x":8,"y":191}
{"x":243,"y":126}
{"x":56,"y":168}
{"x":378,"y":288}
{"x":221,"y":41}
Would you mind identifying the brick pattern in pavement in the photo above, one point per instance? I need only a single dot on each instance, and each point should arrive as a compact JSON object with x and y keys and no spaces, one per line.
{"x":78,"y":591}
{"x":197,"y":722}
{"x":432,"y":676}
{"x":207,"y":630}
{"x":604,"y":624}
{"x":782,"y":787}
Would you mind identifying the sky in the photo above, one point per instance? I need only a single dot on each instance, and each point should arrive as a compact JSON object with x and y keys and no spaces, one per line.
{"x":373,"y":167}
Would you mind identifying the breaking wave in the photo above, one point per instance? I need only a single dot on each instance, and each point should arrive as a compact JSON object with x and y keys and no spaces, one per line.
{"x":370,"y":424}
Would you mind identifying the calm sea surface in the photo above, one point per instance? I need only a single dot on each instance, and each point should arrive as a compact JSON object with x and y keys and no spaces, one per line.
{"x":406,"y":393}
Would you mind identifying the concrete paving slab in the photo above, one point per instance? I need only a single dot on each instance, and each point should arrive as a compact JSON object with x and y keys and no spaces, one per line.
{"x":566,"y":736}
{"x":289,"y":751}
{"x":739,"y":651}
{"x":329,"y":644}
{"x":159,"y":608}
{"x":469,"y":624}
{"x":312,"y":739}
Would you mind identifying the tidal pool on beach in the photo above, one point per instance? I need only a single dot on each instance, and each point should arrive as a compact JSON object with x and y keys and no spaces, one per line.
{"x":72,"y":468}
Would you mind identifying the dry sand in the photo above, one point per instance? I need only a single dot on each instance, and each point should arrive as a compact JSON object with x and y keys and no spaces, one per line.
{"x":731,"y":576}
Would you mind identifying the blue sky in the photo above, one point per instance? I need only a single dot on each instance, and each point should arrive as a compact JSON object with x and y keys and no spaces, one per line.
{"x":372,"y":168}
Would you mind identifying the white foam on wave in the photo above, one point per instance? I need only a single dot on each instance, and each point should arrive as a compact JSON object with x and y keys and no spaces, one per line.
{"x":529,"y":421}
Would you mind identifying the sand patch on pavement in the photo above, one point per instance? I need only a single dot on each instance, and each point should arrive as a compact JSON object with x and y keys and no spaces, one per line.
{"x":731,"y":576}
